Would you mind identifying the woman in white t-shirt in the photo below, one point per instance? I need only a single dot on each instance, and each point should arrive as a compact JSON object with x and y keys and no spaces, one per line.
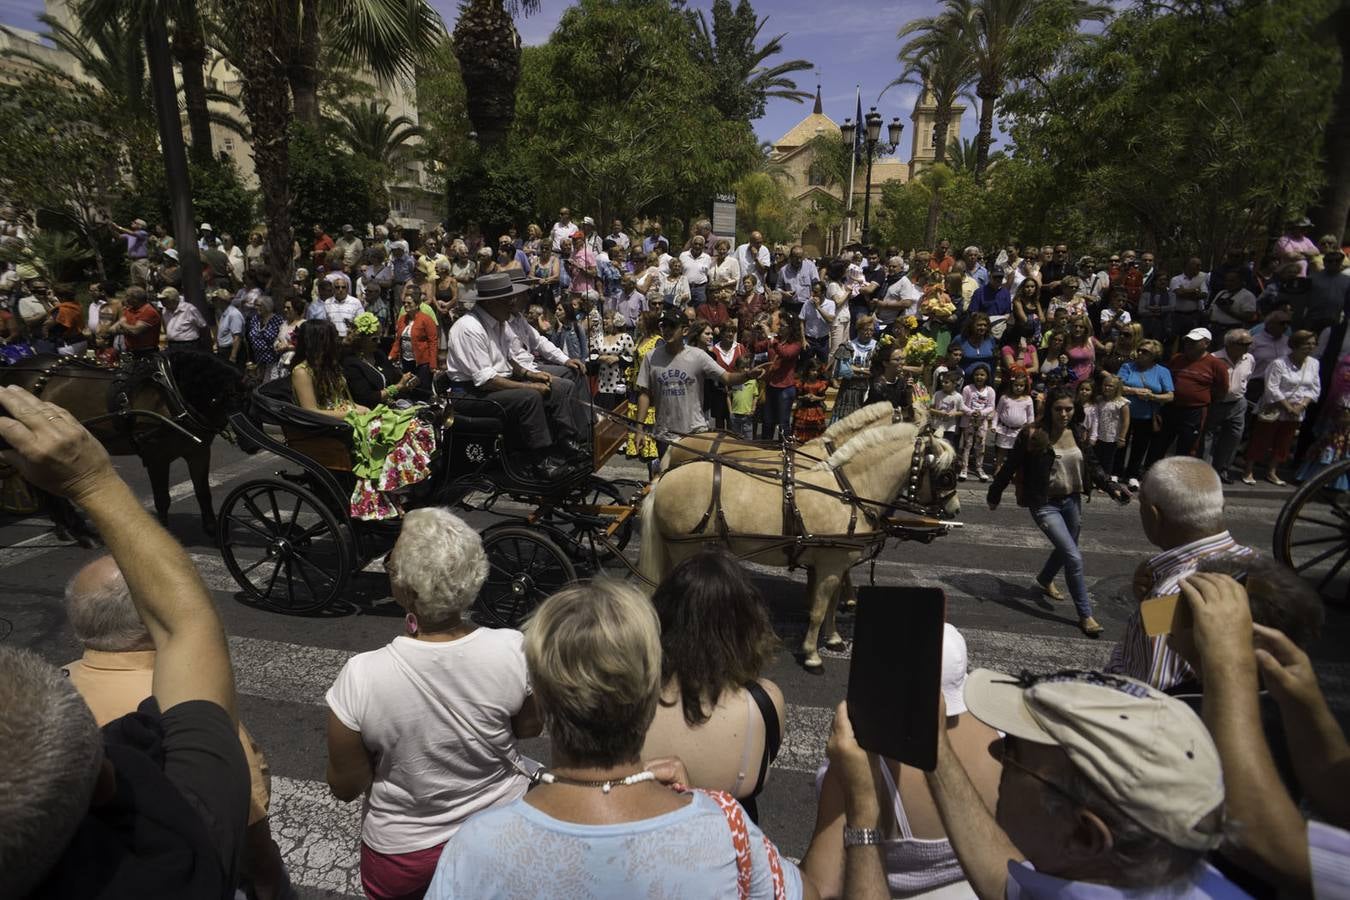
{"x":424,"y":726}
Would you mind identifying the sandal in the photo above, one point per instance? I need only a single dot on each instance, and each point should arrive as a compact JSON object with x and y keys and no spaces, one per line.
{"x":1090,"y":626}
{"x":1276,"y":480}
{"x":1248,"y":479}
{"x":1049,"y":590}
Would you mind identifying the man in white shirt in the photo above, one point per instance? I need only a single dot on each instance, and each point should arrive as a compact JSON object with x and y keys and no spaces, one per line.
{"x":351,"y":247}
{"x":229,"y":328}
{"x":754,"y":258}
{"x":536,"y":355}
{"x":1228,"y":417}
{"x":697,"y":268}
{"x":817,"y":318}
{"x":560,"y":235}
{"x":98,"y":298}
{"x":479,"y":363}
{"x":901,"y":297}
{"x":342,"y":307}
{"x":592,"y":236}
{"x":235,"y":255}
{"x":1232,"y":307}
{"x":618,"y":235}
{"x":1189,"y":290}
{"x":184,"y":324}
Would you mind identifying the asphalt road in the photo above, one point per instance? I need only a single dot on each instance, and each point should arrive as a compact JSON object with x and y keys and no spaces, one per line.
{"x":284,"y":665}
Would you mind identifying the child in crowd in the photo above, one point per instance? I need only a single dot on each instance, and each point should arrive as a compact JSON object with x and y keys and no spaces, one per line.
{"x":977,"y":400}
{"x":951,"y":363}
{"x":855,"y":279}
{"x":944,"y":410}
{"x":808,"y":419}
{"x":1113,"y":422}
{"x":1115,"y":317}
{"x":1015,"y":409}
{"x":1085,"y":411}
{"x":1055,"y":358}
{"x":741,"y":400}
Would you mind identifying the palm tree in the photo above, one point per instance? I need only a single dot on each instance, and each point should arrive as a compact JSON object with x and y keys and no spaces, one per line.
{"x":487,"y":46}
{"x":962,"y":153}
{"x":936,"y":59}
{"x":112,"y":56}
{"x":727,"y":48}
{"x":371,"y":132}
{"x":387,"y":37}
{"x":993,"y":32}
{"x":188,"y":41}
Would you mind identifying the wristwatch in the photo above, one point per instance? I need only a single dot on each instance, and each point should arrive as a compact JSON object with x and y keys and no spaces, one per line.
{"x":860,"y":837}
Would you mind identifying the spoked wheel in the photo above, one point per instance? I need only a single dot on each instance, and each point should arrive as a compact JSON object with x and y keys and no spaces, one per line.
{"x":524,"y":567}
{"x":286,"y":549}
{"x":1312,"y":533}
{"x":596,"y":491}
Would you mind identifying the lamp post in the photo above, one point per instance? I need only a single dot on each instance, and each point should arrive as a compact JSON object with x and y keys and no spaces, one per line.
{"x":871,"y":140}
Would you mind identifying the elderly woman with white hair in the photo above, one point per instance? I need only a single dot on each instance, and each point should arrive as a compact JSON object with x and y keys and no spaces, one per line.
{"x":600,"y":824}
{"x":426,"y":726}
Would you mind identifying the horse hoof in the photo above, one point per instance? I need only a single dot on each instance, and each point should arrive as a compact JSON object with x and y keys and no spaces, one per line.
{"x":836,"y":645}
{"x":813,"y":665}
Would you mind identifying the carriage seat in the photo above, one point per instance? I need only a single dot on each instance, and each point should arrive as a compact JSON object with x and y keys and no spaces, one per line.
{"x":325,"y":440}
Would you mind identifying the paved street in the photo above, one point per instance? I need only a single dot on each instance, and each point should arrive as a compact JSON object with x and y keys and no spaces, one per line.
{"x":284,"y":665}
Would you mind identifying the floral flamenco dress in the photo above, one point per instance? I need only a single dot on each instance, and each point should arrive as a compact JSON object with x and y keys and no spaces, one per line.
{"x":391,"y":451}
{"x":808,"y":419}
{"x":648,"y":448}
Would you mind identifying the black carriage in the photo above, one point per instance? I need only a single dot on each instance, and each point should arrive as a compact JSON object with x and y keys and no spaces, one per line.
{"x":292,"y":546}
{"x":1312,"y":531}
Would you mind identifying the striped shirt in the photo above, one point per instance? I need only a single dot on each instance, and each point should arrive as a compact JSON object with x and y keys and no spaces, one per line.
{"x":1150,"y":659}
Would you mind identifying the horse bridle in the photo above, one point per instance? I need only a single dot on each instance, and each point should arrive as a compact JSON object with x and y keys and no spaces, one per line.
{"x":924,"y":462}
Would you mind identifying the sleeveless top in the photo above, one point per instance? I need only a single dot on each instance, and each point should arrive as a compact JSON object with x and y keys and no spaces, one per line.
{"x":916,"y":864}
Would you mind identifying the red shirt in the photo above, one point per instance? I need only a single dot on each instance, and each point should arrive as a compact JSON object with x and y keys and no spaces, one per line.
{"x":1198,"y":383}
{"x":321,"y":248}
{"x":782,"y":362}
{"x":147,"y":339}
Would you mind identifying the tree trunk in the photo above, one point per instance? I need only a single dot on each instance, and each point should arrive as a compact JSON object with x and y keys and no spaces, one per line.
{"x":189,"y":48}
{"x":941,"y":124}
{"x":488,"y":49}
{"x":175,"y":162}
{"x":268,"y":42}
{"x":988,"y":94}
{"x":1333,"y":208}
{"x":303,"y":70}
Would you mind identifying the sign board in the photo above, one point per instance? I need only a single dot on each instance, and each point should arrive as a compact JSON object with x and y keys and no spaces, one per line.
{"x":724,"y":216}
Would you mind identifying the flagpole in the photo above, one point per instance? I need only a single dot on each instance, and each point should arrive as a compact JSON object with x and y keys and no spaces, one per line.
{"x":852,"y":166}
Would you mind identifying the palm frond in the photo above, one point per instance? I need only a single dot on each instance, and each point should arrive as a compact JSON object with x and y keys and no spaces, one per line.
{"x":388,"y":36}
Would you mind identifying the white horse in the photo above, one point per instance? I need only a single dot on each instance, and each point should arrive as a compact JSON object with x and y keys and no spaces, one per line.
{"x":747,"y":516}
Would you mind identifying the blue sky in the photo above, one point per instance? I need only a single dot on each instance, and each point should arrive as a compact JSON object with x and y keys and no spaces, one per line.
{"x":850,"y":41}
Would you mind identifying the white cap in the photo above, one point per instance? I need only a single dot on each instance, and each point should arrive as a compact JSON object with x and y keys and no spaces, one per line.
{"x":206,"y":226}
{"x":1199,"y":334}
{"x":171,"y":253}
{"x":954,"y":665}
{"x":588,"y":221}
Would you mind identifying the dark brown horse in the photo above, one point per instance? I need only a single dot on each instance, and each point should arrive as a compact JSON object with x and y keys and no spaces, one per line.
{"x":195,"y":391}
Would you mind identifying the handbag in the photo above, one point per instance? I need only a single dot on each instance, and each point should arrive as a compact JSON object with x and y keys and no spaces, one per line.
{"x":1269,"y":413}
{"x":740,"y":839}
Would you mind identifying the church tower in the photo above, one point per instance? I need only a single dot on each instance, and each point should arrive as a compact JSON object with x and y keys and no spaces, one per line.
{"x":922,"y":152}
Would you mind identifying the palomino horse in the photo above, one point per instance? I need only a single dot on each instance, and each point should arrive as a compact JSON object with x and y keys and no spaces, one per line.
{"x":778,"y":519}
{"x":195,"y":391}
{"x":703,"y":444}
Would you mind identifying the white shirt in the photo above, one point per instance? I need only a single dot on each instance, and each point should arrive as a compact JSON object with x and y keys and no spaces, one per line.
{"x":560,"y":232}
{"x":186,"y":323}
{"x":813,"y":318}
{"x":697,"y":268}
{"x":1198,"y":282}
{"x":236,"y":258}
{"x":754,"y":262}
{"x":1286,"y":382}
{"x":726,"y":274}
{"x":431,"y":772}
{"x":342,"y":312}
{"x":1239,"y":374}
{"x":478,"y":349}
{"x":621,"y":240}
{"x":95,"y":307}
{"x":528,"y":346}
{"x":905,"y":290}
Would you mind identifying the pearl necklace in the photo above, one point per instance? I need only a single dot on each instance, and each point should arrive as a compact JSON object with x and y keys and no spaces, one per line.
{"x":543,"y":776}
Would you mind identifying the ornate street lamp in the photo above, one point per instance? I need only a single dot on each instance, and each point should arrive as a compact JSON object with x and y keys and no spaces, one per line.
{"x":871,"y":140}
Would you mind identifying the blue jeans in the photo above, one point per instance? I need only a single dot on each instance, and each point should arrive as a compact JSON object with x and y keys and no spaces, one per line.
{"x":698,"y":294}
{"x":778,"y":410}
{"x":1060,"y":519}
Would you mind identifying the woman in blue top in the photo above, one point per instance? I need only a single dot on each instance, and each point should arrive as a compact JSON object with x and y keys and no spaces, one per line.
{"x":978,"y":348}
{"x":1148,"y":385}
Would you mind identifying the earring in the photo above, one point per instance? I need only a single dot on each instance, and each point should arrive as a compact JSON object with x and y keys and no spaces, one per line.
{"x":410,"y":622}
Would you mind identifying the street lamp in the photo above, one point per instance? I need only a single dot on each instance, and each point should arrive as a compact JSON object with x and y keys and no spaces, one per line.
{"x":872,"y":138}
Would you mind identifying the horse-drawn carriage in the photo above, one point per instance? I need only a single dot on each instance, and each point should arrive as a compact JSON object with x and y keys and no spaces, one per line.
{"x":1312,"y":531}
{"x":291,"y":544}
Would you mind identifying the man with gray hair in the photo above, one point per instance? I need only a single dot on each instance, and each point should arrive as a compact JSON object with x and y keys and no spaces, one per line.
{"x":1226,"y":419}
{"x":1181,"y":511}
{"x":156,"y":805}
{"x":115,"y":675}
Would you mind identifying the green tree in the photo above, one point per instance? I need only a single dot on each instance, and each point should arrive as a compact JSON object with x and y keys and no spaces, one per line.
{"x":763,"y":204}
{"x":963,"y":154}
{"x":372,"y":133}
{"x":60,"y":154}
{"x":219,"y":196}
{"x":741,"y":77}
{"x":1012,"y":40}
{"x":616,"y":115}
{"x":329,"y":186}
{"x":487,"y":46}
{"x":442,"y":111}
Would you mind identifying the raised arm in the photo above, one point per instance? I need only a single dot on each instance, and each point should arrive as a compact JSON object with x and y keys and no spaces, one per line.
{"x":54,"y":452}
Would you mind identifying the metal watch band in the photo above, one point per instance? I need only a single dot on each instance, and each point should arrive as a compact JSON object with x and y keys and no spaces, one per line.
{"x":860,"y":837}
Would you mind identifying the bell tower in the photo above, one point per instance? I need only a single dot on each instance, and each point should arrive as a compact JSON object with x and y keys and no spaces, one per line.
{"x":924,"y":117}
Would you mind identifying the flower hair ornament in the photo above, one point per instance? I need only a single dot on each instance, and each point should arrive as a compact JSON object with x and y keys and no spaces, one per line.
{"x":366,"y":323}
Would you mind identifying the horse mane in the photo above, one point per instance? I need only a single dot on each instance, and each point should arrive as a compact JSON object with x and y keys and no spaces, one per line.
{"x":887,"y":434}
{"x":857,"y":420}
{"x":205,"y":381}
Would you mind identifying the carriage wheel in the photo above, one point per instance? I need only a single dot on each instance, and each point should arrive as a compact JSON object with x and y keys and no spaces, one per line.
{"x":524,"y":567}
{"x":1312,"y":532}
{"x":286,"y":549}
{"x":596,"y":491}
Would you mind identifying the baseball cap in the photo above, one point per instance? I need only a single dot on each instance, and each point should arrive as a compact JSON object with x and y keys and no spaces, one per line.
{"x":1147,"y":753}
{"x":347,"y":229}
{"x":168,"y":293}
{"x":954,"y":662}
{"x":1199,"y":334}
{"x":577,"y":234}
{"x":206,"y":226}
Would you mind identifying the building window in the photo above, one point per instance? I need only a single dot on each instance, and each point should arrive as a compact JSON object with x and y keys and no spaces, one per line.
{"x":815,"y":174}
{"x":228,"y":145}
{"x":932,"y":140}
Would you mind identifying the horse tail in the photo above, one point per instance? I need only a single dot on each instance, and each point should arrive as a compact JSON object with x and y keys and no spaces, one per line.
{"x":653,"y":560}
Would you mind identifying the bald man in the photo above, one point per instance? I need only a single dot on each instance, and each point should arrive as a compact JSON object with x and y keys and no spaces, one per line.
{"x":115,"y":674}
{"x":1181,"y":511}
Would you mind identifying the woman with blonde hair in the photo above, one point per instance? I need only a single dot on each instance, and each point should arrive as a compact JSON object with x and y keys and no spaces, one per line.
{"x":594,"y":658}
